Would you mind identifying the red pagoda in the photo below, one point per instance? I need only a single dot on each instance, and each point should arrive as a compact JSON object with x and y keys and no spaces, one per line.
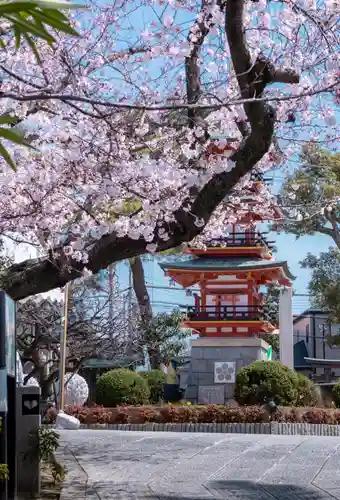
{"x":229,"y":273}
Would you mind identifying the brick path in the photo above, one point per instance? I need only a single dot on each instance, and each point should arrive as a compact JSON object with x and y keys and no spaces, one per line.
{"x":188,"y":466}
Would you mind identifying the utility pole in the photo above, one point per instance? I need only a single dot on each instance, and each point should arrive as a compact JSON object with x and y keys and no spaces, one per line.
{"x":111,"y":290}
{"x":63,"y":340}
{"x":323,"y":340}
{"x":130,"y":303}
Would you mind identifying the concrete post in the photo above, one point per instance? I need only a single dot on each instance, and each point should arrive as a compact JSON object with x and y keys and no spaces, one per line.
{"x":286,"y":327}
{"x":27,"y":426}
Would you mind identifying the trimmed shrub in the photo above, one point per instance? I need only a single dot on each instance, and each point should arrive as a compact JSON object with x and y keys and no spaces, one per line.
{"x":119,"y":387}
{"x":263,"y":381}
{"x":307,"y":394}
{"x":156,"y":380}
{"x":336,"y":394}
{"x":202,"y":414}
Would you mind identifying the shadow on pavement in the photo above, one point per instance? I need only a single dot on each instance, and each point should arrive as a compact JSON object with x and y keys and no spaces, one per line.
{"x":248,"y":490}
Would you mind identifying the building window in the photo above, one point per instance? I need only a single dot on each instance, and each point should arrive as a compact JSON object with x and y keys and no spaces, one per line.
{"x":307,"y":334}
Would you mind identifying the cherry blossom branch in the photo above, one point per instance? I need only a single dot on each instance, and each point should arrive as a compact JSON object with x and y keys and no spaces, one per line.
{"x":285,"y":78}
{"x":196,"y":37}
{"x":40,"y":275}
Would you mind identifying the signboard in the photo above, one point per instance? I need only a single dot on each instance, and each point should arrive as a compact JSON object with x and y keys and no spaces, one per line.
{"x":10,"y":341}
{"x":211,"y":395}
{"x":30,"y":404}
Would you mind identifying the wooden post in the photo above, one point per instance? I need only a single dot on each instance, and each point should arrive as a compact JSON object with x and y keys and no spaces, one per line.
{"x":62,"y":363}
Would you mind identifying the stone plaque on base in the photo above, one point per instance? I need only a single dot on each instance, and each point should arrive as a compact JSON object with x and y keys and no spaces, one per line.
{"x":224,"y":372}
{"x":211,"y":395}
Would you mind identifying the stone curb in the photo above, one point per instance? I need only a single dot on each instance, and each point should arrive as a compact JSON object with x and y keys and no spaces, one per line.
{"x":75,"y":484}
{"x":287,"y":429}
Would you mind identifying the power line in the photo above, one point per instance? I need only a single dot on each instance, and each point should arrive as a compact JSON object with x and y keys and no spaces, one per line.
{"x":198,"y":289}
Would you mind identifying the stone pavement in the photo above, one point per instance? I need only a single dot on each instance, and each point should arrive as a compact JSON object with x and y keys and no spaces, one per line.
{"x":118,"y":465}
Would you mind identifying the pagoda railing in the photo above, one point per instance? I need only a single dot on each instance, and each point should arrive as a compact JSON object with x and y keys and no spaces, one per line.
{"x":241,"y":240}
{"x":228,"y":313}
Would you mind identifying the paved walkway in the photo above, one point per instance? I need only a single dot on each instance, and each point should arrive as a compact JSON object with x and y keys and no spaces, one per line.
{"x":178,"y":466}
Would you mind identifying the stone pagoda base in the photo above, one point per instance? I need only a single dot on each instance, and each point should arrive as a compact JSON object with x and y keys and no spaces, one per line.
{"x":214,"y":364}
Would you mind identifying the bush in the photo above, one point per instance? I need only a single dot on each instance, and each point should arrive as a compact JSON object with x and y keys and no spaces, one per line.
{"x":307,"y":394}
{"x":263,"y":381}
{"x":122,"y":386}
{"x":336,"y":394}
{"x":203,"y":414}
{"x":156,"y":380}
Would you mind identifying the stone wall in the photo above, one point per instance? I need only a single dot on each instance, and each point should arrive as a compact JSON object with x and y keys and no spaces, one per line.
{"x":205,"y":352}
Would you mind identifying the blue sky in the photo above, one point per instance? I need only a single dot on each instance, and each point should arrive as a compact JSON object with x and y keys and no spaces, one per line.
{"x":165,"y":298}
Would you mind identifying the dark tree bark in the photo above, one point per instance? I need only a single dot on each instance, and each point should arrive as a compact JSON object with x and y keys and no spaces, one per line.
{"x":145,"y":307}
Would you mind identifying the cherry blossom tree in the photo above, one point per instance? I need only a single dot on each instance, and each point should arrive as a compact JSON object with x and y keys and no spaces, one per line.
{"x":28,"y":20}
{"x":135,"y":110}
{"x":98,"y":326}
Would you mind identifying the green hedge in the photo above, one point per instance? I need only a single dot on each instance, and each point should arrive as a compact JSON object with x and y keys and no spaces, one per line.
{"x":336,"y":394}
{"x":120,"y":387}
{"x":156,"y":380}
{"x":263,"y":381}
{"x":307,"y":394}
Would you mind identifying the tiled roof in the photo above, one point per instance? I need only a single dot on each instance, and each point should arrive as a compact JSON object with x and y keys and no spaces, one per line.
{"x":222,"y":263}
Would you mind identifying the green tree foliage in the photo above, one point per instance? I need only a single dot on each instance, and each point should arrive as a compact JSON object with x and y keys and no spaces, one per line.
{"x":122,"y":386}
{"x":272,"y":305}
{"x":263,"y":381}
{"x":324,"y":286}
{"x":273,"y":340}
{"x":336,"y":394}
{"x":307,"y":394}
{"x":156,"y":380}
{"x":28,"y":21}
{"x":310,"y":195}
{"x":165,"y":331}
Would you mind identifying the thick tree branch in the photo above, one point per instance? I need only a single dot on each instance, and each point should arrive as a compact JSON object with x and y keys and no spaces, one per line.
{"x":332,"y":219}
{"x":40,"y":275}
{"x":197,"y":34}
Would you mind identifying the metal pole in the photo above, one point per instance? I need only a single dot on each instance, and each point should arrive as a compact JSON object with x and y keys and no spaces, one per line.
{"x":63,"y":341}
{"x":130,"y":303}
{"x":323,"y":341}
{"x":111,"y":287}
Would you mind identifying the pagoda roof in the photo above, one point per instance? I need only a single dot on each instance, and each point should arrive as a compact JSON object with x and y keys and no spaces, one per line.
{"x":226,"y":264}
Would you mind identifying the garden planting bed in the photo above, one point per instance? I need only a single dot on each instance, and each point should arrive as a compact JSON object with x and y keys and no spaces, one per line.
{"x":184,"y":414}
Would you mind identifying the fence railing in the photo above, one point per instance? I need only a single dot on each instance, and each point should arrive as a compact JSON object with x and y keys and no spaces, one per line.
{"x":229,"y":312}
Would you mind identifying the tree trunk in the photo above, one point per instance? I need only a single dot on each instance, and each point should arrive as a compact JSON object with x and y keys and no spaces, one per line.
{"x":144,"y":303}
